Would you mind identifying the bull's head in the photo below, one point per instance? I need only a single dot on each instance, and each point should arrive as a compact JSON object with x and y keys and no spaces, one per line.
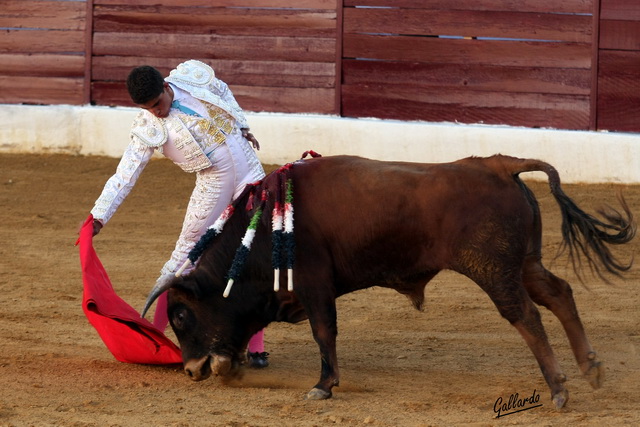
{"x":213,"y":331}
{"x":211,"y":335}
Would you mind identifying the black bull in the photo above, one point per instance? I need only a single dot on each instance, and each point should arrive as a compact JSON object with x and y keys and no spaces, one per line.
{"x":361,"y":223}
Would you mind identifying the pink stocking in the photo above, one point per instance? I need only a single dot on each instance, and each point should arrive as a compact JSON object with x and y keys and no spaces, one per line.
{"x":256,"y":343}
{"x":160,"y":318}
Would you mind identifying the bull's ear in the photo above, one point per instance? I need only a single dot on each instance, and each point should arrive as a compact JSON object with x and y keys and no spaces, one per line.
{"x":290,"y":309}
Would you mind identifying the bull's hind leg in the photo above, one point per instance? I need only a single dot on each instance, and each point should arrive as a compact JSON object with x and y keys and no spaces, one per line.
{"x":514,"y":304}
{"x":550,"y":291}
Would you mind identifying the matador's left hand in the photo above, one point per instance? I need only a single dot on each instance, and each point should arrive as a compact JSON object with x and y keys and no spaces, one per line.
{"x":249,"y":137}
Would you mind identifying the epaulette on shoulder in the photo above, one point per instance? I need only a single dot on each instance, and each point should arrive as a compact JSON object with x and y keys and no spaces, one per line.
{"x":151,"y":130}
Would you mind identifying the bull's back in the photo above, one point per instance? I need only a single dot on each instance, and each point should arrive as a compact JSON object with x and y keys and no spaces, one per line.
{"x":393,"y":217}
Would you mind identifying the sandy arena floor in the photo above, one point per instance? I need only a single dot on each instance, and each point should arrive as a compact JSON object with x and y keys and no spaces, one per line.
{"x":445,"y":366}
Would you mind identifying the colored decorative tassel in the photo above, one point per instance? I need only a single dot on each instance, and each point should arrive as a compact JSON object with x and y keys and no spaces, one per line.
{"x":212,"y":231}
{"x":277,"y":219}
{"x":288,"y":237}
{"x":243,"y":251}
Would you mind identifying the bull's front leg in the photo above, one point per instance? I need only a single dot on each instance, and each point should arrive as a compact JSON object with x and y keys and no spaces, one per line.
{"x":323,"y":321}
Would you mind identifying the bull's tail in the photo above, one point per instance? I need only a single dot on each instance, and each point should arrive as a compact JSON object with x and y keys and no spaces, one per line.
{"x":584,"y":234}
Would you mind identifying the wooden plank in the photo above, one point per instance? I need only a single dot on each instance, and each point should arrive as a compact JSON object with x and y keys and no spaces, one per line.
{"x":619,"y":91}
{"x":251,"y":98}
{"x":42,"y":65}
{"x":42,"y":41}
{"x":618,"y":114}
{"x":223,"y":21}
{"x":531,"y":110}
{"x":623,"y":35}
{"x":515,"y":25}
{"x":623,"y":10}
{"x":298,"y":4}
{"x":338,"y":59}
{"x":620,"y":63}
{"x":553,"y":6}
{"x":315,"y":49}
{"x":568,"y":81}
{"x":111,"y":94}
{"x":595,"y":49}
{"x":40,"y":90}
{"x":42,"y":14}
{"x":457,"y":51}
{"x":88,"y":52}
{"x":250,"y":73}
{"x":285,"y":100}
{"x":466,"y":98}
{"x":618,"y":81}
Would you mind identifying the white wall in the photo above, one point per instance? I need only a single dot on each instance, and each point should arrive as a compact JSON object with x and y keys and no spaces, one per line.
{"x":579,"y":156}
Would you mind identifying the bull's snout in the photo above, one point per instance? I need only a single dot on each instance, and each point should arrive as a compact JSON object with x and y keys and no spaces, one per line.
{"x":201,"y":369}
{"x":198,"y":369}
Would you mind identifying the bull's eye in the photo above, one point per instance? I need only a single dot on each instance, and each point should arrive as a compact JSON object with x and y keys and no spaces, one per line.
{"x":179,"y":318}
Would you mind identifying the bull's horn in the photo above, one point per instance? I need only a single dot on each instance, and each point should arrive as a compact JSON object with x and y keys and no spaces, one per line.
{"x":162,"y":284}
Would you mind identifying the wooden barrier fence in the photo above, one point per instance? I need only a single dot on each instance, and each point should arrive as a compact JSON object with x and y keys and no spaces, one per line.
{"x":573,"y":64}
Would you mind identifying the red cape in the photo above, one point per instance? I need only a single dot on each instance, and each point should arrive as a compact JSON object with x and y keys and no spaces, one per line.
{"x":129,"y":337}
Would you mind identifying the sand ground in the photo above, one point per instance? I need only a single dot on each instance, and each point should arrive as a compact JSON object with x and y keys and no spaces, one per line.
{"x":445,"y":366}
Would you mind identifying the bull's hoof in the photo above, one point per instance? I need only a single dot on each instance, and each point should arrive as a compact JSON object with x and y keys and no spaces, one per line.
{"x":595,"y":374}
{"x":318,"y":394}
{"x":560,"y":399}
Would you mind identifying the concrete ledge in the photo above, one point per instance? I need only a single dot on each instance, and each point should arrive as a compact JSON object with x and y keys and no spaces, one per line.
{"x":589,"y":157}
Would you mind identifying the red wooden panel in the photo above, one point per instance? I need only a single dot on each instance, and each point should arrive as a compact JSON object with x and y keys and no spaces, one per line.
{"x":88,"y":51}
{"x":42,"y":14}
{"x":407,"y":103}
{"x":621,"y":64}
{"x":250,"y":73}
{"x":234,"y":21}
{"x":469,"y":76}
{"x":40,"y":90}
{"x":624,"y":35}
{"x":315,"y":49}
{"x":458,"y":51}
{"x":41,"y":41}
{"x":302,"y":4}
{"x":618,"y":114}
{"x":285,"y":100}
{"x":554,"y":6}
{"x":517,"y":25}
{"x":250,"y":98}
{"x":110,"y":93}
{"x":624,"y":10}
{"x":42,"y":65}
{"x":465,"y":98}
{"x":619,"y":91}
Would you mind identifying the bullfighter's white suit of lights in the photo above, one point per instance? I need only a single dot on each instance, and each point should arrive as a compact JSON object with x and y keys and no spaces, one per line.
{"x":202,"y":134}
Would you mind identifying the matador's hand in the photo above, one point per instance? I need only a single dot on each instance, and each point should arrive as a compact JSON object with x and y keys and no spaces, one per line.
{"x":249,"y":137}
{"x":97,"y":226}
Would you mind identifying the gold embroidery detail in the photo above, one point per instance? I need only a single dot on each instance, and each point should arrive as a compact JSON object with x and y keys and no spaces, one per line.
{"x":209,"y":131}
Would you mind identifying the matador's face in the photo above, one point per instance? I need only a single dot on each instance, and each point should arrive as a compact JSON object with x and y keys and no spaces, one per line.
{"x":161,"y":105}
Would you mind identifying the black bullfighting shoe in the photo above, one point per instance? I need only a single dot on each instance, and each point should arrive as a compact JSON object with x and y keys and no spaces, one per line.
{"x":258,"y":360}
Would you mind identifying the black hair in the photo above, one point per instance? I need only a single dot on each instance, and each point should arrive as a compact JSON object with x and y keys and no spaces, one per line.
{"x":144,"y":84}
